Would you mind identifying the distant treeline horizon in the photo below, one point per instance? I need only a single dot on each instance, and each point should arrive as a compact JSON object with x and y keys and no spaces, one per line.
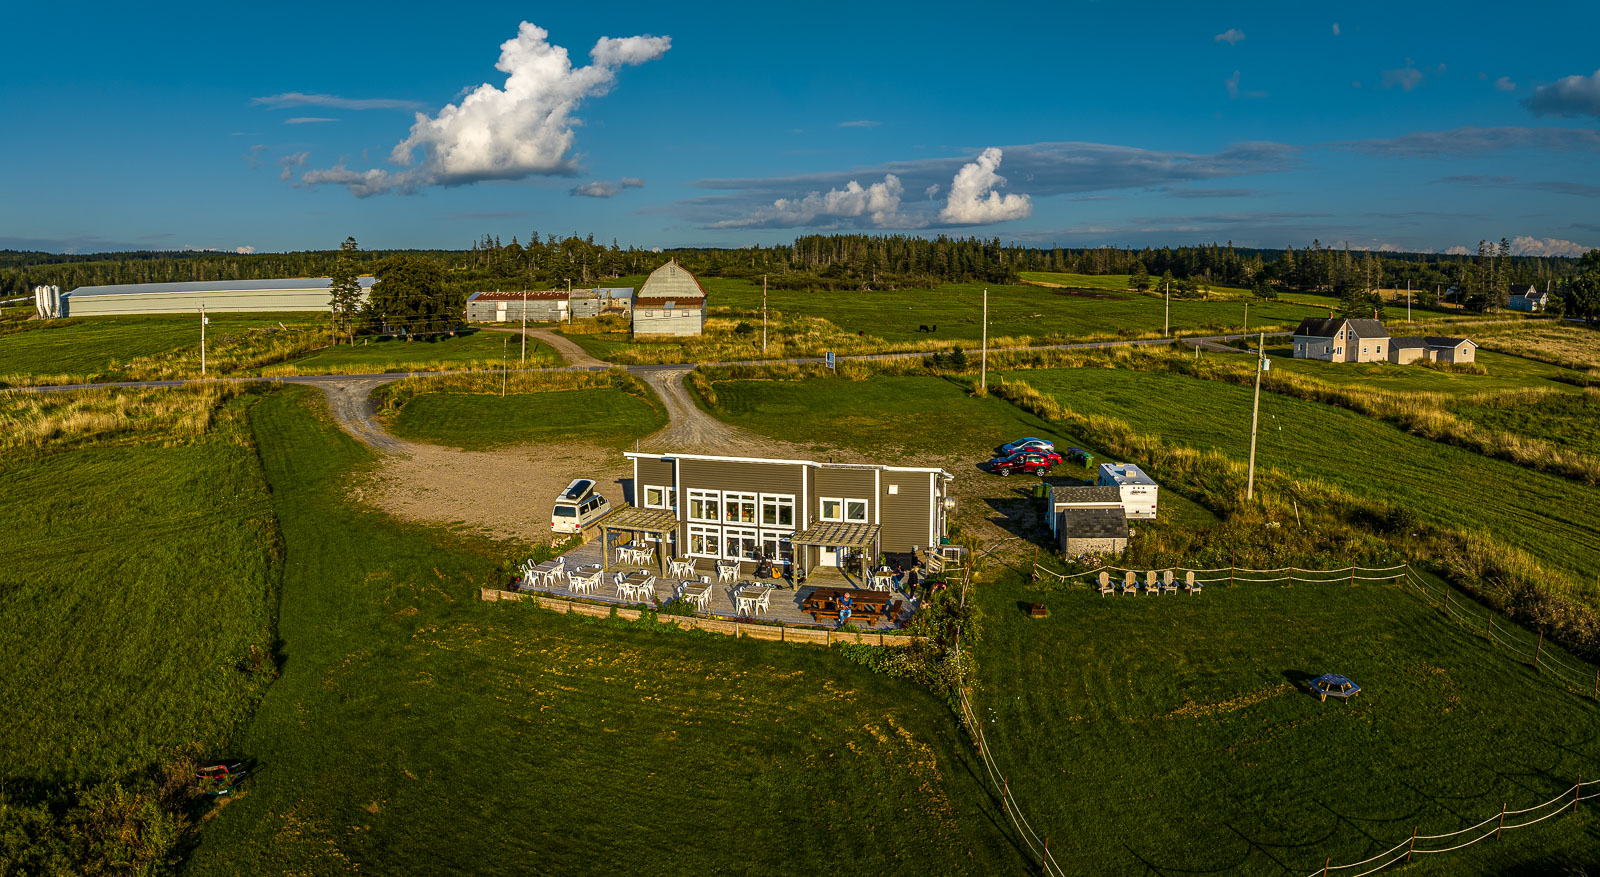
{"x":816,"y":262}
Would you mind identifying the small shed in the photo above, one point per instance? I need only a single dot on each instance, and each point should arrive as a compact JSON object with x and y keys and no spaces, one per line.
{"x":1093,"y":531}
{"x":1096,"y":497}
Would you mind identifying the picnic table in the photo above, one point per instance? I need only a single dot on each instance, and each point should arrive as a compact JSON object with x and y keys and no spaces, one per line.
{"x":753,"y":599}
{"x":727,"y":570}
{"x":584,"y":579}
{"x":636,"y":586}
{"x":698,"y":593}
{"x":869,"y":606}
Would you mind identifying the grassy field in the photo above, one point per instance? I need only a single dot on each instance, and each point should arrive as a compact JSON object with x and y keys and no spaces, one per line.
{"x":1550,"y":517}
{"x":1113,"y":282}
{"x":1569,"y":420}
{"x":105,"y":348}
{"x":417,"y":730}
{"x":603,"y":416}
{"x":1192,"y":750}
{"x":474,"y":349}
{"x":137,"y":591}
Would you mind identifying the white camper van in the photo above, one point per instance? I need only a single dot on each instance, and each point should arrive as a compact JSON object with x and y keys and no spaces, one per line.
{"x":1138,"y":489}
{"x":577,"y":507}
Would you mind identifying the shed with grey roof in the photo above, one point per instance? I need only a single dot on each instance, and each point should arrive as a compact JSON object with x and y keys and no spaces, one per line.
{"x":218,"y":296}
{"x":1093,"y":531}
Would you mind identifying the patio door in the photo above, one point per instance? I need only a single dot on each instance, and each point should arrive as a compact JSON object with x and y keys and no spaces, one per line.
{"x":829,"y":555}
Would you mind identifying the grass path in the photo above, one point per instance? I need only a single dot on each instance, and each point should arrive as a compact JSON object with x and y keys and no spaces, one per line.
{"x":416,"y":730}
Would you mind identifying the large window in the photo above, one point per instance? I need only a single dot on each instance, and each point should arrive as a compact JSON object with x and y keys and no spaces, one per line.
{"x":705,"y":541}
{"x":704,"y":505}
{"x":739,"y":508}
{"x":855,"y":511}
{"x":777,"y":511}
{"x":659,"y":498}
{"x":832,"y":509}
{"x":740,"y":543}
{"x":776,"y":546}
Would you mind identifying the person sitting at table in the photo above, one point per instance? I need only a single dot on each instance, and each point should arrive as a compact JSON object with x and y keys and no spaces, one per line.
{"x":845,"y":604}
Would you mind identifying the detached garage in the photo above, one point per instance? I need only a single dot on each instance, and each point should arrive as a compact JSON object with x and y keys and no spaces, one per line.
{"x":218,"y":296}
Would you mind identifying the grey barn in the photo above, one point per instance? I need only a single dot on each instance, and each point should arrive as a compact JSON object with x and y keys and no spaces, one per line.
{"x":218,"y":296}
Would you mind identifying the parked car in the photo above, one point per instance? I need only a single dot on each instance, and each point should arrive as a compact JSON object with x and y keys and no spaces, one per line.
{"x":1034,"y":462}
{"x":1026,"y":444}
{"x":577,"y":507}
{"x":1333,"y":685}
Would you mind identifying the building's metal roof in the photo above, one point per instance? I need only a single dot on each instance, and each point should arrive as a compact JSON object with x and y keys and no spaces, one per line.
{"x":622,"y":292}
{"x":1125,"y":473}
{"x":296,"y":284}
{"x":672,"y":281}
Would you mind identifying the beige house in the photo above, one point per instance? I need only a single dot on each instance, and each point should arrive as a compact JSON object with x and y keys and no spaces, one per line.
{"x":1433,"y":349}
{"x":1339,"y":339}
{"x":671,"y":302}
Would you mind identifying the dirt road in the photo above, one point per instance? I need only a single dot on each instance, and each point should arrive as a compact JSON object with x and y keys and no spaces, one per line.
{"x":565,"y":347}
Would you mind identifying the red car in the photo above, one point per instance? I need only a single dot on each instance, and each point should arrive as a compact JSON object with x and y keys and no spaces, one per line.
{"x":1033,"y":462}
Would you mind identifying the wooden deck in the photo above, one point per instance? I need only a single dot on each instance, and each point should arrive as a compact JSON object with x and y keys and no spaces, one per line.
{"x":784,"y":604}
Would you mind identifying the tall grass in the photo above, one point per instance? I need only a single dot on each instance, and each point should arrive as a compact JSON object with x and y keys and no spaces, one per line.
{"x":32,"y":423}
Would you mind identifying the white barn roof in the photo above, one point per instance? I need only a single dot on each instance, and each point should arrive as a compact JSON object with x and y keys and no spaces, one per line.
{"x":671,"y":281}
{"x":296,"y":284}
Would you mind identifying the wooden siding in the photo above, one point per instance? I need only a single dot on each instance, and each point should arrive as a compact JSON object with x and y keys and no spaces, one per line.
{"x":671,"y":321}
{"x":844,"y":484}
{"x":905,"y":516}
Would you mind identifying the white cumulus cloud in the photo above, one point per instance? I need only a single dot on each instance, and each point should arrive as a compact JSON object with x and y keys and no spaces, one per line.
{"x":509,"y":132}
{"x":1504,"y":83}
{"x":607,"y":189}
{"x":1231,"y":36}
{"x":972,"y":199}
{"x":1336,"y":28}
{"x":1531,"y":246}
{"x":1570,"y":96}
{"x":877,"y":204}
{"x":1458,"y":250}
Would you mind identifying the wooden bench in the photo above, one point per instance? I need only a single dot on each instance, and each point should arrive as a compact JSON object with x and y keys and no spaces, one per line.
{"x":869,"y":607}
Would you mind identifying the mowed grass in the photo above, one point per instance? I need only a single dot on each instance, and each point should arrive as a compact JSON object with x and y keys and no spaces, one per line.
{"x":101,"y":347}
{"x":1110,"y":281}
{"x":416,"y":730}
{"x":1014,"y":310}
{"x":1553,"y":519}
{"x":1171,"y":734}
{"x":475,"y":348}
{"x":474,"y":421}
{"x":137,"y":591}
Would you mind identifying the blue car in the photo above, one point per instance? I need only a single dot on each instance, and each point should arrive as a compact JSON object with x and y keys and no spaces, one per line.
{"x":1036,"y":445}
{"x":1333,"y":685}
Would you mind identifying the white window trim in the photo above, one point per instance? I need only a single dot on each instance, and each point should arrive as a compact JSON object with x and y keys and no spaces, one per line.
{"x":866,"y":511}
{"x":732,"y":499}
{"x":703,"y":530}
{"x":702,"y":495}
{"x":780,"y":500}
{"x":729,"y":534}
{"x":822,"y":508}
{"x":666,"y":495}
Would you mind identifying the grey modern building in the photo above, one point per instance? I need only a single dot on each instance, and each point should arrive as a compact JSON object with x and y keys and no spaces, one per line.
{"x":817,"y":514}
{"x":218,"y":296}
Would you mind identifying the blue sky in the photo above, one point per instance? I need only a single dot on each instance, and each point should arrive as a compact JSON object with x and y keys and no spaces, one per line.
{"x":232,"y":126}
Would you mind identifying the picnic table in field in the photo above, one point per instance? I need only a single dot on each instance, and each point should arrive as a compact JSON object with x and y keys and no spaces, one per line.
{"x":868,"y":606}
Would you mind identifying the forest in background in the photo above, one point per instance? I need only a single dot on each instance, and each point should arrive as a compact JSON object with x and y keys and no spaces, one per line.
{"x":836,"y":262}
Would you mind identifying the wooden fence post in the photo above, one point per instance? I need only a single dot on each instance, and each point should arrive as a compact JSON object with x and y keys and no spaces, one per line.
{"x":1044,"y":861}
{"x":1597,"y":683}
{"x":1413,"y":844}
{"x":1577,"y":793}
{"x":1230,"y":574}
{"x":1035,"y":576}
{"x":1537,"y":649}
{"x":1005,"y":792}
{"x":1325,"y":863}
{"x":1352,"y":575}
{"x":1447,"y":601}
{"x":1488,"y":629}
{"x":1502,"y":823}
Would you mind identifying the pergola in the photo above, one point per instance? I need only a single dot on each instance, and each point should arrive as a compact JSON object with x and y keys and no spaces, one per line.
{"x":834,"y":534}
{"x":657,"y":522}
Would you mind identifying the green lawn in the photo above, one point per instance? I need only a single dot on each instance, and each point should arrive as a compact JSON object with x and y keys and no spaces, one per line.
{"x":1552,"y":518}
{"x":1570,"y":421}
{"x":1166,"y":735}
{"x":101,"y":347}
{"x":1109,"y":281}
{"x":480,"y":349}
{"x":418,"y":730}
{"x":137,"y":586}
{"x":604,"y":416}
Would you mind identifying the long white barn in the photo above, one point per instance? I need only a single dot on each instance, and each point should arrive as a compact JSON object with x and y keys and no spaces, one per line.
{"x":219,"y":296}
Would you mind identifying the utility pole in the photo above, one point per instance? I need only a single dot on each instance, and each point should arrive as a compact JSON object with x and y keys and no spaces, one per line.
{"x":983,"y":355}
{"x":1246,"y":316}
{"x":1166,"y":318}
{"x":524,"y":361}
{"x":1408,"y":301}
{"x":763,"y":315}
{"x":505,"y":351}
{"x":1255,"y":413}
{"x":202,"y":339}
